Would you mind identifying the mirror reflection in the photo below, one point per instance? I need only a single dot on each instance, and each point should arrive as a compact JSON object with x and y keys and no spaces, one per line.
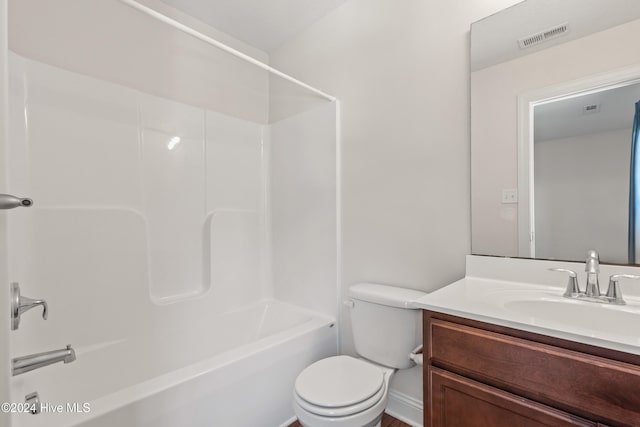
{"x":582,"y":149}
{"x":551,"y":129}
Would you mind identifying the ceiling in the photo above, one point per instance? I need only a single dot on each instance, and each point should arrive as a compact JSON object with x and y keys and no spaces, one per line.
{"x":264,"y":24}
{"x":566,"y":118}
{"x":495,"y":39}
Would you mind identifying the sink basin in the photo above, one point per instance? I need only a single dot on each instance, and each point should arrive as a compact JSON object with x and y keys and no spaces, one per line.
{"x":541,"y":309}
{"x":592,"y":319}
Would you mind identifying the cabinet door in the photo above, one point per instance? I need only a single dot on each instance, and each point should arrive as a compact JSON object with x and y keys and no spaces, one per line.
{"x":591,"y":386}
{"x":456,"y":401}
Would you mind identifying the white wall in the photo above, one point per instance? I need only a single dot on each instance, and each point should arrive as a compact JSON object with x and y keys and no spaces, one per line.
{"x":494,"y":92}
{"x":400,"y":70}
{"x":582,"y":196}
{"x":111,"y":41}
{"x":5,"y":363}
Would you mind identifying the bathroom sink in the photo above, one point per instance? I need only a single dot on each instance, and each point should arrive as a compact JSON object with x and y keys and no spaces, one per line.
{"x":541,"y":309}
{"x":593,"y":319}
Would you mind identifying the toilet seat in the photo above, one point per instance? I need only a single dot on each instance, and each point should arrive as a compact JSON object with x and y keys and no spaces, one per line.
{"x":343,"y":411}
{"x":339,"y":386}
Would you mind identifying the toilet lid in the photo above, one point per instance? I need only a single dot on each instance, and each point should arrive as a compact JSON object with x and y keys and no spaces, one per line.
{"x":339,"y":381}
{"x":342,"y":411}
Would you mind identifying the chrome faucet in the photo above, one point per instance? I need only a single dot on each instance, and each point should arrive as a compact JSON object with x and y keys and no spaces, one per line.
{"x":592,"y":267}
{"x":592,"y":290}
{"x":23,"y":364}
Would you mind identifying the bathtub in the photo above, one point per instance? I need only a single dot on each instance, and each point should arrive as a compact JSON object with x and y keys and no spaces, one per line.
{"x":240,"y":378}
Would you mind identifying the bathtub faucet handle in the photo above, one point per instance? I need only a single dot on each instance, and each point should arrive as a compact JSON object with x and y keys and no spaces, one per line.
{"x":20,"y":304}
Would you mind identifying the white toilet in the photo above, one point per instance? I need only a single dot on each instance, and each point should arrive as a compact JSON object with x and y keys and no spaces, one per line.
{"x":344,"y":391}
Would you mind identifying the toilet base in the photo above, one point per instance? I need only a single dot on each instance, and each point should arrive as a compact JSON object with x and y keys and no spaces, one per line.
{"x":377,"y":423}
{"x":371,"y":417}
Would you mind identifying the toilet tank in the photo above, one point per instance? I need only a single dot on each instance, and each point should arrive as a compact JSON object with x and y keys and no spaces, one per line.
{"x":385,"y":326}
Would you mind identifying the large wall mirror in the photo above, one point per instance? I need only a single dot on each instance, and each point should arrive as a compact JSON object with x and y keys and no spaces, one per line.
{"x":554,"y":87}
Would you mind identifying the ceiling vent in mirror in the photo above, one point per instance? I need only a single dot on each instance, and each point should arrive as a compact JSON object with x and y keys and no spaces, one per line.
{"x":591,"y":109}
{"x":543,"y":36}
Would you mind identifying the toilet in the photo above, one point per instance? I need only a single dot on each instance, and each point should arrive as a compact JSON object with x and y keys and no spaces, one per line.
{"x":345,"y":391}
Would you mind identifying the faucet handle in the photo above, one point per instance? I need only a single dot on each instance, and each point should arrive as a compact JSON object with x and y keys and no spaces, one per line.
{"x":572,"y":285}
{"x":614,"y":292}
{"x":20,"y":304}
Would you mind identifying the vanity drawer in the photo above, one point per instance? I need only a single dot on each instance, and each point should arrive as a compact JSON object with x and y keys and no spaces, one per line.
{"x":587,"y":385}
{"x":461,"y":402}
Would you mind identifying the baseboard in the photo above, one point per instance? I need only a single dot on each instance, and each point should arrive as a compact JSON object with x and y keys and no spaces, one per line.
{"x":291,"y":421}
{"x":405,"y":408}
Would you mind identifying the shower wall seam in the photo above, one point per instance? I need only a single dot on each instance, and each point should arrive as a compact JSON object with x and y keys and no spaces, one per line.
{"x":339,"y":313}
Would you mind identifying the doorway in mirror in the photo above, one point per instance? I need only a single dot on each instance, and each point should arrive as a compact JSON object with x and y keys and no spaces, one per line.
{"x":579,"y":189}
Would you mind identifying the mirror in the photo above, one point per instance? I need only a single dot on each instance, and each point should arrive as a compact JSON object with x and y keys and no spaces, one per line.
{"x":553,"y":88}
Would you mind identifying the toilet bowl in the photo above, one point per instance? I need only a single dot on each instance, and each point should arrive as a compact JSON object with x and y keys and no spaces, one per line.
{"x":342,"y":391}
{"x":345,"y":391}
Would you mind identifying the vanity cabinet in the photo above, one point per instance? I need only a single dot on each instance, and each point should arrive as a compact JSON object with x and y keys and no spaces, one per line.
{"x":478,"y":374}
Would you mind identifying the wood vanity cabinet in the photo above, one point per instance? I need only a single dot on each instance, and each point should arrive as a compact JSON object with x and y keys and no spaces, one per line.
{"x":482,"y":375}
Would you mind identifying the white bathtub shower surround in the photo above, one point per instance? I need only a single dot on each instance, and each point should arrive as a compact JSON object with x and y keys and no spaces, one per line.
{"x":189,"y":200}
{"x":201,"y":377}
{"x":165,"y":239}
{"x":304,"y":220}
{"x":154,"y":174}
{"x":172,"y":166}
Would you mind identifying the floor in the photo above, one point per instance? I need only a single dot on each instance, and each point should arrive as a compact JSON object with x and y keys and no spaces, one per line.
{"x":387,"y":421}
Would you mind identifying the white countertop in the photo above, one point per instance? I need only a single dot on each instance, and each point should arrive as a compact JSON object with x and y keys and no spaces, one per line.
{"x":538,"y":307}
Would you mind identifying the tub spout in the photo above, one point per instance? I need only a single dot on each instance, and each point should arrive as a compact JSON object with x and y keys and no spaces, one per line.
{"x":39,"y":360}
